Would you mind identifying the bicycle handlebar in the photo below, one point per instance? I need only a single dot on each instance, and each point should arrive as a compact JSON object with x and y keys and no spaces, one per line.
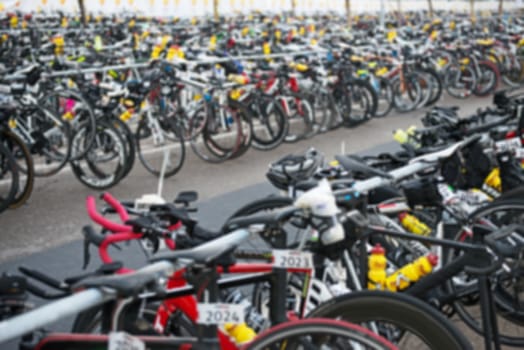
{"x":115,"y":204}
{"x":101,"y":220}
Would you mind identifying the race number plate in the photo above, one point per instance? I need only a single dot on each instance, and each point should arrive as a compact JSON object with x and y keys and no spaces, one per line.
{"x":292,"y":259}
{"x":510,"y":144}
{"x":218,"y":313}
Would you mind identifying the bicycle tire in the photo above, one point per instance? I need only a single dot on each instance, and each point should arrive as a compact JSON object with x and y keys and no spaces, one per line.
{"x":436,"y":92}
{"x":95,"y":180}
{"x":384,"y":97}
{"x":413,"y":97}
{"x":504,"y":304}
{"x":212,"y":133}
{"x":316,"y":331}
{"x":413,"y":315}
{"x":246,"y":129}
{"x":276,"y":130}
{"x":57,"y":152}
{"x":179,"y":155}
{"x":364,"y":96}
{"x":8,"y":165}
{"x":28,"y":170}
{"x":304,"y":118}
{"x":86,"y":114}
{"x":130,"y":145}
{"x":460,"y":82}
{"x":487,"y":67}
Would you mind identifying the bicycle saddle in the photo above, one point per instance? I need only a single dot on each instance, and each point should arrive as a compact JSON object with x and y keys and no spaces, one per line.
{"x":446,"y":152}
{"x":354,"y":164}
{"x":125,"y":285}
{"x":272,"y":218}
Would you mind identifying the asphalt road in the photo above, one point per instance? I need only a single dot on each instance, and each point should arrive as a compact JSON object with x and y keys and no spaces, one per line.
{"x":45,"y":233}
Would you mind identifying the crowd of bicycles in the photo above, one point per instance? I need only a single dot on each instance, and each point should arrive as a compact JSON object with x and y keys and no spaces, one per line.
{"x":363,"y":252}
{"x":95,"y":97}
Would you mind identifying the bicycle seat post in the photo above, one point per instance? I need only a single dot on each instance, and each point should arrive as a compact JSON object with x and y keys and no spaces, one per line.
{"x":206,"y":285}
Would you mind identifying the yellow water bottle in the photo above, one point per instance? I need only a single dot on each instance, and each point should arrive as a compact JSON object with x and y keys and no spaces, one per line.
{"x":413,"y":224}
{"x":400,"y":136}
{"x":410,"y":273}
{"x":377,"y":263}
{"x":241,"y":333}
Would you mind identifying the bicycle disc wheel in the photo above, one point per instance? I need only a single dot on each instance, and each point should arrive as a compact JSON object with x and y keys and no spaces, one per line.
{"x":405,"y":321}
{"x":318,"y":334}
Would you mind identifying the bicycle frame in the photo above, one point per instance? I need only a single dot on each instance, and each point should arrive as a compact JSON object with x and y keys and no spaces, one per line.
{"x":476,"y":259}
{"x":182,"y":300}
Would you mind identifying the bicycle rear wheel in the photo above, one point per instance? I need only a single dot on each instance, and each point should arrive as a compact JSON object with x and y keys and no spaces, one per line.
{"x":407,"y":322}
{"x":318,"y":334}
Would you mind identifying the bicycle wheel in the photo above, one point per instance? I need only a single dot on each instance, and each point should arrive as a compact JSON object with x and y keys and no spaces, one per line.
{"x":24,"y":161}
{"x":363,"y":101}
{"x":9,"y":177}
{"x":301,"y":120}
{"x":151,"y":144}
{"x":246,"y":129}
{"x":48,"y":138}
{"x":488,"y":80}
{"x":405,"y":321}
{"x":460,"y":81}
{"x":407,"y":95}
{"x":270,"y":124}
{"x":509,"y":301}
{"x":436,"y":86}
{"x":318,"y":333}
{"x":106,"y":161}
{"x":76,"y":111}
{"x":129,"y":137}
{"x":221,"y":136}
{"x":513,"y":70}
{"x":384,"y":97}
